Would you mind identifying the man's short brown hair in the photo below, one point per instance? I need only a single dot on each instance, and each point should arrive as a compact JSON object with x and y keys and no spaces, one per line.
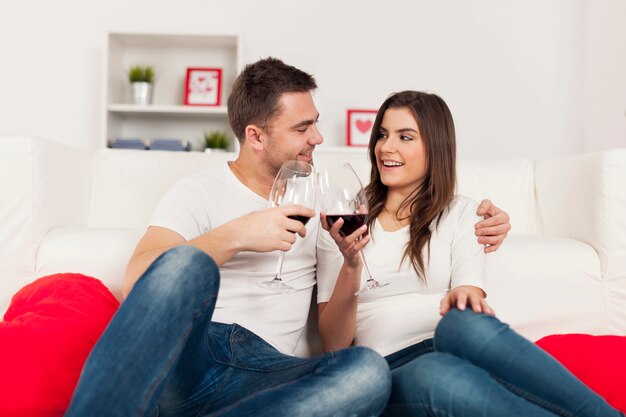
{"x":256,"y":91}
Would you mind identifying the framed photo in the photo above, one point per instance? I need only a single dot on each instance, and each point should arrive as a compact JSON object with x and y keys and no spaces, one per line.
{"x":203,"y":87}
{"x":360,"y":124}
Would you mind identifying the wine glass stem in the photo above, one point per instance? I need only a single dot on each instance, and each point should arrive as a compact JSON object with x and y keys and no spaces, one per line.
{"x":367,"y":269}
{"x":279,"y":268}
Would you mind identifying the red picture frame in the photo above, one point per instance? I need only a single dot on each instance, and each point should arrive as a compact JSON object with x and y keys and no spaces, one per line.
{"x":359,"y":126}
{"x":203,"y":87}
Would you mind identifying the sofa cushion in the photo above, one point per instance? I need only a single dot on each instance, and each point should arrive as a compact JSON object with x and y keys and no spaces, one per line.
{"x":512,"y":189}
{"x":102,"y":253}
{"x":546,"y":285}
{"x":127,"y":184}
{"x":598,"y":361}
{"x":47,"y":333}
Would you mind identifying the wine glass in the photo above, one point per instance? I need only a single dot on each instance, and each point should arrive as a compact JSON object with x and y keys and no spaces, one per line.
{"x":342,"y":197}
{"x":295,"y":183}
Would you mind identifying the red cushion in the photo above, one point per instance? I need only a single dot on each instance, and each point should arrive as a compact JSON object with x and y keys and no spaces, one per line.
{"x":48,"y":331}
{"x":598,"y":361}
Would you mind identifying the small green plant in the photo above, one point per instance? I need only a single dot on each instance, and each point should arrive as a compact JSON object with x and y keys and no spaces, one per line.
{"x":216,"y":140}
{"x":141,"y":74}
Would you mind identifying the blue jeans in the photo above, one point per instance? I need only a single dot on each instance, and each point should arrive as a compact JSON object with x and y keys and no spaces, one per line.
{"x":162,"y":355}
{"x":477,"y":367}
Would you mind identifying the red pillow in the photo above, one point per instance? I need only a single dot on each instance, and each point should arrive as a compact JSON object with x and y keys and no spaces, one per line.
{"x":598,"y":361}
{"x":48,"y":331}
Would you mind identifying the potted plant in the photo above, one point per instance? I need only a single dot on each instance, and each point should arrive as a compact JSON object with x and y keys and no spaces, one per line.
{"x":141,"y":79}
{"x":216,"y":141}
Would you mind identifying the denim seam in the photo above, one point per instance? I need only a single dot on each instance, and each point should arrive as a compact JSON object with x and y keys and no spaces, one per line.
{"x":331,"y":357}
{"x":266,"y":370}
{"x":213,"y":356}
{"x":164,"y":371}
{"x":521,"y":392}
{"x":525,"y":394}
{"x":233,"y":362}
{"x":275,"y":369}
{"x":206,"y":408}
{"x":513,"y":388}
{"x":421,"y":405}
{"x":198,"y":313}
{"x":241,"y":401}
{"x":237,"y":403}
{"x":534,"y":399}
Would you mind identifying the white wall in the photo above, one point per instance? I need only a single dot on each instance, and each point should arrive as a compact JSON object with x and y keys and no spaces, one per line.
{"x":604,"y":108}
{"x":533,"y":78}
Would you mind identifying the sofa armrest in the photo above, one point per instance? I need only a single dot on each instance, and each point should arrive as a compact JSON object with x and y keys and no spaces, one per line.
{"x":583,"y":197}
{"x":43,"y":185}
{"x":63,"y":183}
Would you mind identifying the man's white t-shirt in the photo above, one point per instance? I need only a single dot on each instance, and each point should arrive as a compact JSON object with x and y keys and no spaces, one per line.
{"x":205,"y":201}
{"x":406,"y":311}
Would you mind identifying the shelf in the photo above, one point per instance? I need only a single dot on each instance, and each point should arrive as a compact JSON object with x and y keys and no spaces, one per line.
{"x":167,"y":109}
{"x":170,"y":54}
{"x":160,"y":40}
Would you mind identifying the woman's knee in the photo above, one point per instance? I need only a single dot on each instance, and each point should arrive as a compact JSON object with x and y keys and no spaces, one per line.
{"x":465,"y":328}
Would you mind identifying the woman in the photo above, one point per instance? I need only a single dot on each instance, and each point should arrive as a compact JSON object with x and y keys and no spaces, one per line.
{"x":467,"y":363}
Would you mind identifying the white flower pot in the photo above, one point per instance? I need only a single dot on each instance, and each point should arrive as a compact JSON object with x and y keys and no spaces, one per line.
{"x":141,"y":93}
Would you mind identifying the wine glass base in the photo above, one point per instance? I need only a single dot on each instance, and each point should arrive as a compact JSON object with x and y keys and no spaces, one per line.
{"x":371,"y":285}
{"x":277,"y":286}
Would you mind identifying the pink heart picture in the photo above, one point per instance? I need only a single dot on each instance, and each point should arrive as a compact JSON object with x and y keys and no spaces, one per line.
{"x":360,"y":123}
{"x":363,"y":125}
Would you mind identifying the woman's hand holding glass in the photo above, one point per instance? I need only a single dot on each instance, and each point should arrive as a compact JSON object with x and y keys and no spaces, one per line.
{"x":344,"y":214}
{"x":349,"y":245}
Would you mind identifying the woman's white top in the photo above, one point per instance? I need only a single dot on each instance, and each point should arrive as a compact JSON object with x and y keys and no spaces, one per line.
{"x":406,"y":311}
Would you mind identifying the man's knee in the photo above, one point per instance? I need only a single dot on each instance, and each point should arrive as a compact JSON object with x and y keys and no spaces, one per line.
{"x":181,"y":272}
{"x":371,"y":364}
{"x":418,"y":384}
{"x":367,"y":373}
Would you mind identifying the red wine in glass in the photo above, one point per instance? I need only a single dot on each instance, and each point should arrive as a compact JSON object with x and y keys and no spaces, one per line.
{"x":351,"y":222}
{"x":295,"y":183}
{"x":302,"y":219}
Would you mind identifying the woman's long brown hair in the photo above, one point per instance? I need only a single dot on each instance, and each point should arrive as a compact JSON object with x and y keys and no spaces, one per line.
{"x":428,"y":202}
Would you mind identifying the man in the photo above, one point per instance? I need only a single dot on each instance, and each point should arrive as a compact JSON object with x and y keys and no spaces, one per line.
{"x":195,"y":335}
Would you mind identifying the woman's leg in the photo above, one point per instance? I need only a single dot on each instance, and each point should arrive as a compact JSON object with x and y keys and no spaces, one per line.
{"x":442,"y":385}
{"x":517,"y":364}
{"x":169,"y":307}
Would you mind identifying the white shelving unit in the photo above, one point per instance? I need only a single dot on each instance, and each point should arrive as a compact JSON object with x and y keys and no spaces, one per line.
{"x":171,"y":55}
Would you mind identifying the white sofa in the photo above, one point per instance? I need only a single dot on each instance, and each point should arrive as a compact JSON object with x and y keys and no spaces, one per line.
{"x":561,"y":270}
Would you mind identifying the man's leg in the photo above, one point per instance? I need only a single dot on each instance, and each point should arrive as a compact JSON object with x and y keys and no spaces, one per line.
{"x":517,"y":364}
{"x":238,"y":373}
{"x":169,"y":307}
{"x":350,"y":382}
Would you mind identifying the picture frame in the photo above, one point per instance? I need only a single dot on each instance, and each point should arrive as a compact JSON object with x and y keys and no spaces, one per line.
{"x":203,"y":87}
{"x":359,"y":126}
